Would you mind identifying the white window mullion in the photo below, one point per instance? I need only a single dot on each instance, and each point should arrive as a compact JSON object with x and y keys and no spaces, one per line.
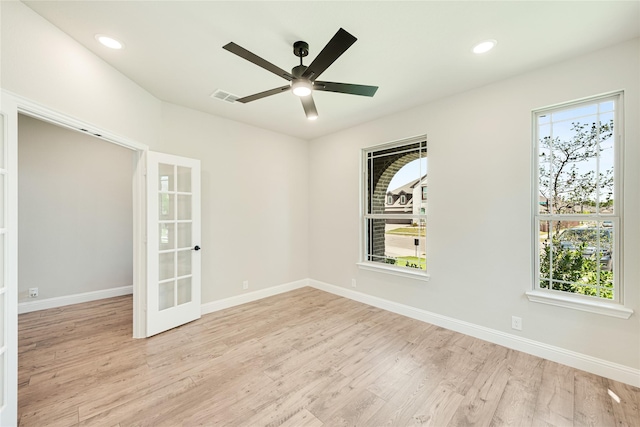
{"x":579,"y":233}
{"x":376,"y":214}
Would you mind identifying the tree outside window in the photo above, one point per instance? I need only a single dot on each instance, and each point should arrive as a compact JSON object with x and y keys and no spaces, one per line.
{"x":577,"y":215}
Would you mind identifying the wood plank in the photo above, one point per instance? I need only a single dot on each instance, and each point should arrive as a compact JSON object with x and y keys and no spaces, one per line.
{"x":305,"y":357}
{"x":484,"y":395}
{"x":554,"y":405}
{"x":625,"y":403}
{"x":592,"y":405}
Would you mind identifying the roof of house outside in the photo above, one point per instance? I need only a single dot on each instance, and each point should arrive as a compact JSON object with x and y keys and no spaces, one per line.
{"x":408,"y":187}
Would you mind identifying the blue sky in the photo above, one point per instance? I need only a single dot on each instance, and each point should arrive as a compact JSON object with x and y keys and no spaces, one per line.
{"x":409,"y":172}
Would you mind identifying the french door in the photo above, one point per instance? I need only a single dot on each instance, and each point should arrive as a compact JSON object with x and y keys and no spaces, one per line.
{"x":173,"y":241}
{"x":7,"y":323}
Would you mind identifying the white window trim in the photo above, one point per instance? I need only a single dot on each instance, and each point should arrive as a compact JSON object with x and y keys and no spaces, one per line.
{"x":412,"y":273}
{"x":564,"y":299}
{"x":559,"y":299}
{"x":363,"y":264}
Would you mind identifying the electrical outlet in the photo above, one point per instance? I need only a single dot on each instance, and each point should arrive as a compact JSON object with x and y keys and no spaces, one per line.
{"x":353,"y":283}
{"x":516,"y":323}
{"x":245,"y":284}
{"x":33,"y":292}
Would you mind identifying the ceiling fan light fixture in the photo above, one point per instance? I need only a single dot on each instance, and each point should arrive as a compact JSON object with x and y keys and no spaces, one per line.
{"x":484,"y":46}
{"x":301,"y":87}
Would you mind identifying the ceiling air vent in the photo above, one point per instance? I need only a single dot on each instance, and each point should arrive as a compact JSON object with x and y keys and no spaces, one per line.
{"x":224,"y":96}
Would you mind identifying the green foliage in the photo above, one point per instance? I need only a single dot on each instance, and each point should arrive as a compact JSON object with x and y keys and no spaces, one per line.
{"x":571,"y":271}
{"x":409,"y":231}
{"x":566,"y":187}
{"x":411,"y":261}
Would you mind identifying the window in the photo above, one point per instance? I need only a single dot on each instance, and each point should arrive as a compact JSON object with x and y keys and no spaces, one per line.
{"x":389,"y":200}
{"x":577,"y":200}
{"x":424,"y":192}
{"x":394,"y":236}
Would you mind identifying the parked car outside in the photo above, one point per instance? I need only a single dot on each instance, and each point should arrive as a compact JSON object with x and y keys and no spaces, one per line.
{"x":586,"y":239}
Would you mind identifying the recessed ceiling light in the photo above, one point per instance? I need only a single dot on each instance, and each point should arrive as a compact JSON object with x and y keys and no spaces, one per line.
{"x":484,"y":46}
{"x":109,"y":41}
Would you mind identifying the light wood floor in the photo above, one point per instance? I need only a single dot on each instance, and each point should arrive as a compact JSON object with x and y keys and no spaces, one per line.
{"x":304,"y":358}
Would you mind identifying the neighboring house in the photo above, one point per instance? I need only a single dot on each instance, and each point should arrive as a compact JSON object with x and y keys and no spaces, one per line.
{"x":403,"y":199}
{"x":543,"y":203}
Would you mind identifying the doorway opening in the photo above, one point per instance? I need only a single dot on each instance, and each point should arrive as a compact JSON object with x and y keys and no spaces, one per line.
{"x":75,"y":212}
{"x":27,"y":110}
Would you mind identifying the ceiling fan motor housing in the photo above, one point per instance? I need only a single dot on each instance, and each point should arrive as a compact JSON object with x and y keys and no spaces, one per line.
{"x":301,"y":49}
{"x":298,"y":71}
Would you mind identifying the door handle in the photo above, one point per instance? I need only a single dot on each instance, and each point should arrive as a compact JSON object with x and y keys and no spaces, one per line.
{"x":196,"y":248}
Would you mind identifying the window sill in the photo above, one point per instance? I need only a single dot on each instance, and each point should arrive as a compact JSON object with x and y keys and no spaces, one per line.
{"x":607,"y":309}
{"x":395,"y":271}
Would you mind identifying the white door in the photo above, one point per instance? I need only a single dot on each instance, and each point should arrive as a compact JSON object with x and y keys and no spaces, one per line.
{"x":8,"y":267}
{"x":173,"y":241}
{"x":4,"y":320}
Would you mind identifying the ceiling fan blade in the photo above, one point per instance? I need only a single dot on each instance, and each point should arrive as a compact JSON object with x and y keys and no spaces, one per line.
{"x":345,"y":88}
{"x":252,"y":57}
{"x":263,"y":94}
{"x":340,"y":42}
{"x":309,"y":107}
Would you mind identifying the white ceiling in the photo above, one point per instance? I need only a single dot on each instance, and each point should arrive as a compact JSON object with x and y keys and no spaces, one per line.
{"x":415,"y":51}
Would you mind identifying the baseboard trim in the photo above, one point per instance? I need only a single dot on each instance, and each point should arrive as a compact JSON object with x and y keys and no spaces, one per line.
{"x":43,"y":304}
{"x":570,"y":358}
{"x":222,"y":304}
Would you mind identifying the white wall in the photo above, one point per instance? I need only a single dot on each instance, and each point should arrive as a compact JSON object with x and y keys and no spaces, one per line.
{"x":254,"y":198}
{"x":479,"y":245}
{"x":75,"y":212}
{"x":43,"y":64}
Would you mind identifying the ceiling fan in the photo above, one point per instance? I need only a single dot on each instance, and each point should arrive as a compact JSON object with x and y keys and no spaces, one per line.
{"x":303,"y":78}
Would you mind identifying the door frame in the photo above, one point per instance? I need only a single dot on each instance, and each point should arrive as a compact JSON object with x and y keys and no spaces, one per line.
{"x":36,"y":110}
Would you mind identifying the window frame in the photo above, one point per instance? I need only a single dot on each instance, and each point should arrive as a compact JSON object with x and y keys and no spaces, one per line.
{"x":363,"y":262}
{"x":614,"y":307}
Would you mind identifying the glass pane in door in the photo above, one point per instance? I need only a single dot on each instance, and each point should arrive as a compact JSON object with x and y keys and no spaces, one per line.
{"x":184,"y":179}
{"x":167,"y":236}
{"x":166,"y":177}
{"x":184,"y":263}
{"x":184,"y":290}
{"x":165,"y":204}
{"x":166,"y":295}
{"x":184,"y":235}
{"x":184,"y":207}
{"x":166,"y":269}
